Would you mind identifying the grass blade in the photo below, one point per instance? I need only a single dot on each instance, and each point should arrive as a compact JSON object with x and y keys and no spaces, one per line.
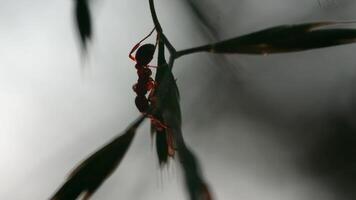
{"x":93,"y":171}
{"x":83,"y":21}
{"x":197,"y":188}
{"x":162,"y":147}
{"x":169,"y":108}
{"x":287,"y":38}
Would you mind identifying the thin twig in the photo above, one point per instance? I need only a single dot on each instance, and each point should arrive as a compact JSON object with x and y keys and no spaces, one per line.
{"x":207,"y":48}
{"x":165,"y":40}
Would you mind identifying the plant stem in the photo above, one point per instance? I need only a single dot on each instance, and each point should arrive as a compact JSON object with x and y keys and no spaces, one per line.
{"x":208,"y":47}
{"x":154,"y":17}
{"x":165,"y":40}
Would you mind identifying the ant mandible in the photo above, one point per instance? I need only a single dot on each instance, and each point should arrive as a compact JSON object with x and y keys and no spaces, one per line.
{"x":145,"y":83}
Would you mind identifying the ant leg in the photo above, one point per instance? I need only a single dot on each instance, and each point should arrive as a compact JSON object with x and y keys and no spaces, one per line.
{"x":147,"y":36}
{"x":138,"y":44}
{"x":155,"y":66}
{"x":157,"y":123}
{"x":150,"y":85}
{"x":152,"y":66}
{"x":133,"y":50}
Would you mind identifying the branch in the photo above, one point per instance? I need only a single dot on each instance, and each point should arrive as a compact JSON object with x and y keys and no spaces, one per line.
{"x":194,"y":50}
{"x":170,"y":47}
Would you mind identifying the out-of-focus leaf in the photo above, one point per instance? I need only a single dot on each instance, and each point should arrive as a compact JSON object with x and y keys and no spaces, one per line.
{"x":83,"y":21}
{"x":92,"y":172}
{"x":204,"y":21}
{"x":197,"y":188}
{"x":287,"y":38}
{"x":162,"y":147}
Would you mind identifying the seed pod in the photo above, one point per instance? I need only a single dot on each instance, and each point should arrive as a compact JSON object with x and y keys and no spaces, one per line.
{"x":287,"y":38}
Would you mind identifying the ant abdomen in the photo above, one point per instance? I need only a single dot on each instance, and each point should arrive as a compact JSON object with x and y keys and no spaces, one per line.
{"x":140,"y":89}
{"x":144,"y":72}
{"x":142,"y":103}
{"x":144,"y":54}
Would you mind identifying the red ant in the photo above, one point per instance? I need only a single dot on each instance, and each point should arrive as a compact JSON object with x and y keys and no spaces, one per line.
{"x":145,"y":83}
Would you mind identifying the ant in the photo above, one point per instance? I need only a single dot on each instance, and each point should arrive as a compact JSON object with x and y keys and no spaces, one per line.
{"x":145,"y":82}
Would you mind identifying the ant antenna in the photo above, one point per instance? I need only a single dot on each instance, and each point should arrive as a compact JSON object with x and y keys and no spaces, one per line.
{"x":154,"y":28}
{"x":138,"y":45}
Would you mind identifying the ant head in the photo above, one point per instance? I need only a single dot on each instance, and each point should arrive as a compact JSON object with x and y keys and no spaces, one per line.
{"x":144,"y":54}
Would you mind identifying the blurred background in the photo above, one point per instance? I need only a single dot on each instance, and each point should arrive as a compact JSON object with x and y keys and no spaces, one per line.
{"x":264,"y":127}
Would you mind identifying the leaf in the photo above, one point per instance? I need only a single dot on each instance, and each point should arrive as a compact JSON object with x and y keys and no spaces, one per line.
{"x":92,"y":172}
{"x":162,"y":147}
{"x":204,"y":21}
{"x":164,"y":142}
{"x":287,"y":38}
{"x":83,"y":20}
{"x":169,"y":108}
{"x":197,"y":188}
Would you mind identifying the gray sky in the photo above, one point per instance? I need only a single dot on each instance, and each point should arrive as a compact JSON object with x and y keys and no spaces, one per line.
{"x":248,"y":120}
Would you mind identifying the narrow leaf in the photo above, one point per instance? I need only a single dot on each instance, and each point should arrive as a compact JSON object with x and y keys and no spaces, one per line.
{"x":92,"y":172}
{"x":162,"y":147}
{"x":169,"y":108}
{"x":197,"y":188}
{"x":287,"y":38}
{"x":164,"y":142}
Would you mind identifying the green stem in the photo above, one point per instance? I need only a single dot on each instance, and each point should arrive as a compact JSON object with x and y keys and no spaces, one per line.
{"x":154,"y":17}
{"x":208,"y":48}
{"x":165,"y":40}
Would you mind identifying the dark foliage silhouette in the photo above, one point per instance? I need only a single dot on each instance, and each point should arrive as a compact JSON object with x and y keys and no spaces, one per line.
{"x":162,"y":105}
{"x":92,"y":172}
{"x":83,"y":21}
